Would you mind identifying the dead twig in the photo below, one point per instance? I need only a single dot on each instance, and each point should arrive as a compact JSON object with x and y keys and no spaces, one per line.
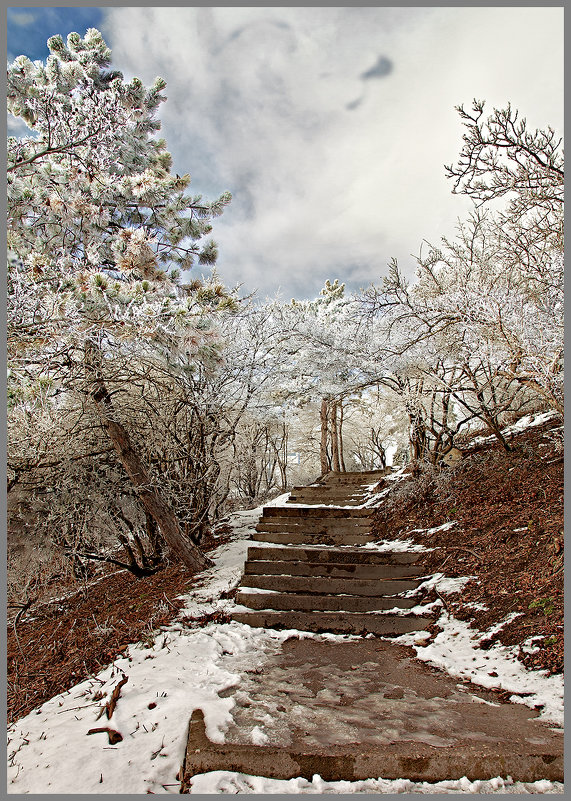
{"x":61,"y":711}
{"x":23,"y":609}
{"x":458,"y":548}
{"x":443,"y":601}
{"x":169,"y":603}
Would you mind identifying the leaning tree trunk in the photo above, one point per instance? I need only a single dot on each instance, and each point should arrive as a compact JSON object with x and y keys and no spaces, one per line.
{"x":136,"y":470}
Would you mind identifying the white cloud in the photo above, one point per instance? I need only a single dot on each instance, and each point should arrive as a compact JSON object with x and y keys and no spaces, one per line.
{"x":258,"y":105}
{"x":22,"y":18}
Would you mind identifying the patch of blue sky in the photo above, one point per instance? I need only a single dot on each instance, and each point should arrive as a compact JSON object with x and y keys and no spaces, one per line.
{"x":30,"y":27}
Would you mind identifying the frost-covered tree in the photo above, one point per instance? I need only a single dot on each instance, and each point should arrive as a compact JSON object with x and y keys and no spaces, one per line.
{"x":502,"y":158}
{"x":521,"y":174}
{"x":503,"y":322}
{"x":186,"y":423}
{"x":333,"y":350}
{"x":92,"y":188}
{"x":488,"y":304}
{"x":98,"y":230}
{"x":328,"y":356}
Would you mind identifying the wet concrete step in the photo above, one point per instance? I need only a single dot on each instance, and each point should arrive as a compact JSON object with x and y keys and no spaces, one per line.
{"x":335,"y":622}
{"x":331,"y":569}
{"x":358,"y":708}
{"x":307,"y":538}
{"x":322,"y":585}
{"x":323,"y":603}
{"x":314,"y":512}
{"x":317,"y":555}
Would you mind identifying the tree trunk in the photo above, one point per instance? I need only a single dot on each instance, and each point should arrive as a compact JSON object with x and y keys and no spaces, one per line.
{"x":341,"y":459}
{"x":324,"y":431}
{"x":142,"y":482}
{"x":334,"y":437}
{"x":417,"y":436}
{"x":281,"y":454}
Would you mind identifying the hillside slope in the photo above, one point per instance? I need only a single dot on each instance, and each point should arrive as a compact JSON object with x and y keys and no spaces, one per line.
{"x":505,"y":516}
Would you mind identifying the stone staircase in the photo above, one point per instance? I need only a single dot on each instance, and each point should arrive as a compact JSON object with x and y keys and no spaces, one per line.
{"x":312,"y":573}
{"x":337,"y":489}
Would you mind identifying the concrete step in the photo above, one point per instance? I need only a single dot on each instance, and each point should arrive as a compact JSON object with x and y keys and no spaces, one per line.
{"x":326,"y":498}
{"x":311,"y":520}
{"x":330,"y":492}
{"x":317,"y":522}
{"x":301,"y":538}
{"x":331,"y":569}
{"x":323,"y":585}
{"x":333,"y":489}
{"x":336,"y":622}
{"x":327,"y":492}
{"x":341,"y":503}
{"x":367,"y":477}
{"x":324,"y":603}
{"x":318,"y":555}
{"x":338,"y":527}
{"x":319,"y":512}
{"x":364,"y":486}
{"x":331,"y":501}
{"x":406,"y":719}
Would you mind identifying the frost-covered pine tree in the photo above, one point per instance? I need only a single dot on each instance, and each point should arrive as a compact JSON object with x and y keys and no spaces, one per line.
{"x":98,"y":232}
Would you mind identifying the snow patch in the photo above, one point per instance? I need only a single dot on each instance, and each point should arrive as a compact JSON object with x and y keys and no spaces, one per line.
{"x":258,"y":736}
{"x":395,"y":545}
{"x":440,"y":583}
{"x":456,"y":650}
{"x":228,"y":782}
{"x":529,"y":421}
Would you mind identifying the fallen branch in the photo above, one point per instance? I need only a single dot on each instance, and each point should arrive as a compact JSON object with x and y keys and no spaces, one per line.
{"x":114,"y":736}
{"x":112,"y":703}
{"x":169,"y":603}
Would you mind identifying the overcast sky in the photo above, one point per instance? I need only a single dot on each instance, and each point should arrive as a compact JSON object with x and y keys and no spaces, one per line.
{"x":330,"y":126}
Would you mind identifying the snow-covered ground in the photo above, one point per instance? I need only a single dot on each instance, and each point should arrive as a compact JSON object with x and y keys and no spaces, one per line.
{"x":50,"y":751}
{"x":528,"y":421}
